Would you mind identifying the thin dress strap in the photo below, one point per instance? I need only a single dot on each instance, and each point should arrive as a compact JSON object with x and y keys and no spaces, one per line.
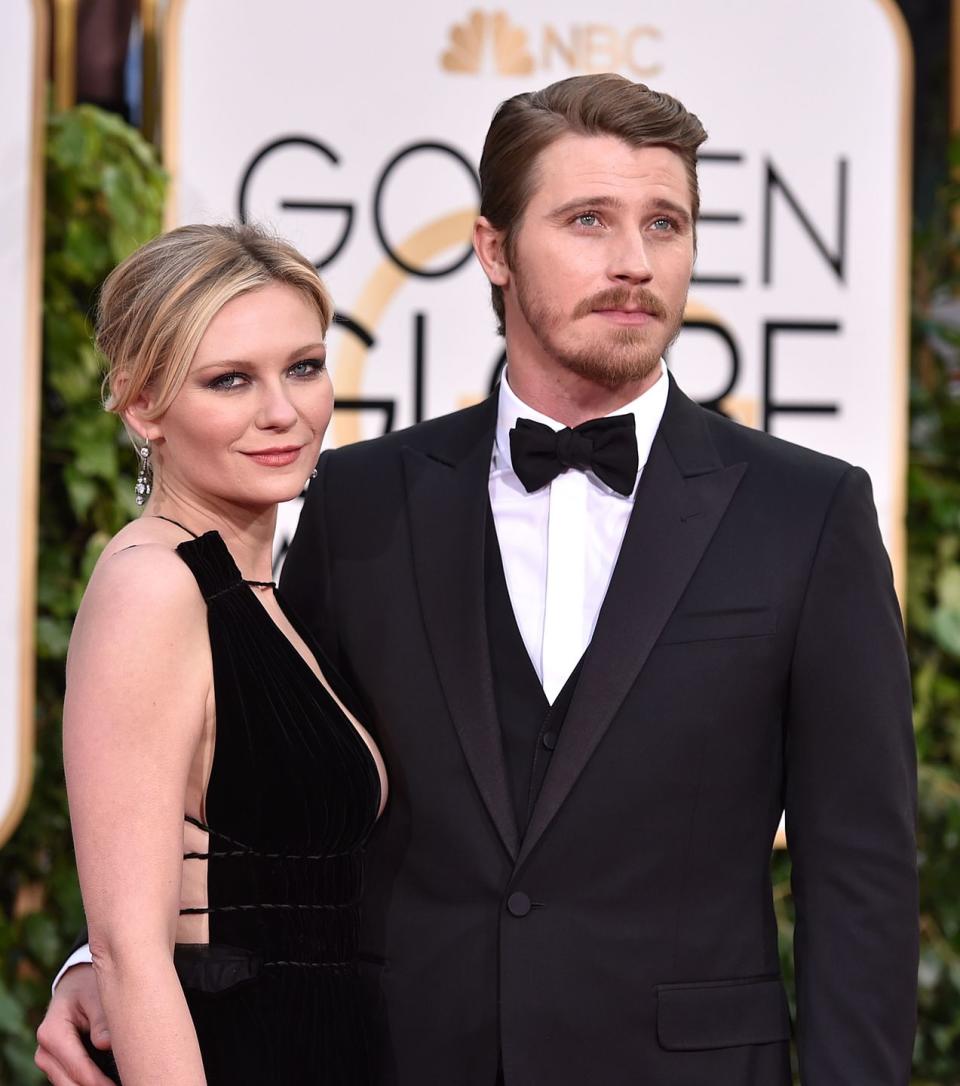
{"x":170,"y":520}
{"x":254,"y":584}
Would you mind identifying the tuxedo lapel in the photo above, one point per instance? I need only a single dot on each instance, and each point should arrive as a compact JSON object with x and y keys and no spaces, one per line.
{"x":447,"y":494}
{"x":681,"y":498}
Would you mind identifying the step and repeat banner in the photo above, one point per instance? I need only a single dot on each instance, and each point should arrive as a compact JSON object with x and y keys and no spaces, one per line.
{"x":22,"y":83}
{"x":358,"y":138}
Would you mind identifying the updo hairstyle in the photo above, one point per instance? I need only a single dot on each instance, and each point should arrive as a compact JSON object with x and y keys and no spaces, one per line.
{"x":155,"y":307}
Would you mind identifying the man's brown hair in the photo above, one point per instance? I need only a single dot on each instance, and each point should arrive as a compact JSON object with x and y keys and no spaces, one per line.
{"x":588,"y":105}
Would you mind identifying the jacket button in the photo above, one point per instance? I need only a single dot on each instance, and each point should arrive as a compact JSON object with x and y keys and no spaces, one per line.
{"x":518,"y":904}
{"x":549,"y":740}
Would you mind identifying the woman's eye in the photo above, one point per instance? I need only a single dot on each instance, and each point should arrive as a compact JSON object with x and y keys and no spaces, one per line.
{"x":309,"y":367}
{"x":227,"y":381}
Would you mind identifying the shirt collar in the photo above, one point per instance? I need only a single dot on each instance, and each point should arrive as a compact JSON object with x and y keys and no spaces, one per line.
{"x":647,"y":410}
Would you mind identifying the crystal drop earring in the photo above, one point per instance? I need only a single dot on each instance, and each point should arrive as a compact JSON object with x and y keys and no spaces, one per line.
{"x":144,"y":475}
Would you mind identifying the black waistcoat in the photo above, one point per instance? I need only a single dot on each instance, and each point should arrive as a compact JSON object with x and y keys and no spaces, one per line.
{"x":529,"y":724}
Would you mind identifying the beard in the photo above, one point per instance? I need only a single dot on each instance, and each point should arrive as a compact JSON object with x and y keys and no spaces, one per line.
{"x":617,"y":356}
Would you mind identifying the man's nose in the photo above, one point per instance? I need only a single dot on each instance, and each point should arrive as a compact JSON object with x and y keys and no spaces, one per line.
{"x":629,"y":262}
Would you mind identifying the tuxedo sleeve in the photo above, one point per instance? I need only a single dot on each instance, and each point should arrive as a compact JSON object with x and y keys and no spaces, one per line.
{"x":851,"y":809}
{"x":305,"y":579}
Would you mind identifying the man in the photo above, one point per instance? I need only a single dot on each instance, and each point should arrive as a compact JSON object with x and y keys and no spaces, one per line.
{"x":600,"y":657}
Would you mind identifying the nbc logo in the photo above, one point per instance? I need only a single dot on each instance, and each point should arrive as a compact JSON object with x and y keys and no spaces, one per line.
{"x":489,"y":41}
{"x":481,"y":33}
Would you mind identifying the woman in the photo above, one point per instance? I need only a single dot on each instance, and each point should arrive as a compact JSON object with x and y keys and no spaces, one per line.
{"x":220,"y":790}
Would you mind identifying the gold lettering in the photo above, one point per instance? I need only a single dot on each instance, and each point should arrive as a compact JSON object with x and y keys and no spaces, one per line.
{"x":640,"y":33}
{"x":598,"y":47}
{"x":553,"y":44}
{"x":602,"y":53}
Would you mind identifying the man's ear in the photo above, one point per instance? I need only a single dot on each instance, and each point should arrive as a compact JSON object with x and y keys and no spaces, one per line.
{"x":488,"y":244}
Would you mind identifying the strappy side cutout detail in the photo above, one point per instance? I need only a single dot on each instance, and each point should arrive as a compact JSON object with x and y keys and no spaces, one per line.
{"x":240,"y":849}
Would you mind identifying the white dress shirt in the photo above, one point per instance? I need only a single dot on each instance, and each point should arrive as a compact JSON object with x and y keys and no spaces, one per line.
{"x":560,"y":544}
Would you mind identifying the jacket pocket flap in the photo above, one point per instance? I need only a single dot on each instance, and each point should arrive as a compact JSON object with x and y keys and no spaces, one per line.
{"x":721,"y":1014}
{"x":714,"y":625}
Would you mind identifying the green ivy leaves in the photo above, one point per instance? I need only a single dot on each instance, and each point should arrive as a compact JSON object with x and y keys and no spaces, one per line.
{"x":933,"y":627}
{"x":104,"y":197}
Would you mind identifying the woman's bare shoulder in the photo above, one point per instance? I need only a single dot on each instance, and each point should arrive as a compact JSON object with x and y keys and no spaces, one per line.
{"x":141,"y":587}
{"x":140,"y":635}
{"x":147,"y":572}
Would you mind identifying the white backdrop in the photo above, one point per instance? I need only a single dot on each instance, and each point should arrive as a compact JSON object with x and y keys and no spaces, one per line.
{"x":358,"y":138}
{"x":20,"y":206}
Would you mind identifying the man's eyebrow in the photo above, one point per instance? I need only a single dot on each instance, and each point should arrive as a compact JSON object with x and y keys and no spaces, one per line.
{"x":614,"y":203}
{"x":602,"y":203}
{"x":661,"y":203}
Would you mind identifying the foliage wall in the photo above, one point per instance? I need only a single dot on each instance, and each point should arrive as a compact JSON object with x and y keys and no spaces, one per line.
{"x":934,"y":624}
{"x":934,"y":533}
{"x":933,"y":636}
{"x":104,"y":196}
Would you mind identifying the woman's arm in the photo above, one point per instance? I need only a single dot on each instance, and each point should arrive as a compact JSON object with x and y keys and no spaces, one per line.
{"x":139,"y":691}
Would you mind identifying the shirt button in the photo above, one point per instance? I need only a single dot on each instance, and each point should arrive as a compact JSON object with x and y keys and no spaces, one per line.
{"x":549,"y":740}
{"x":518,"y":904}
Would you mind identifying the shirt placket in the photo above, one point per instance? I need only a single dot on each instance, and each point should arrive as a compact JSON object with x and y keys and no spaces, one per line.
{"x":563,"y":626}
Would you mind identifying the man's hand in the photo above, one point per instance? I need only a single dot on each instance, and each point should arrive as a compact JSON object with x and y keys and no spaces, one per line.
{"x":74,"y":1009}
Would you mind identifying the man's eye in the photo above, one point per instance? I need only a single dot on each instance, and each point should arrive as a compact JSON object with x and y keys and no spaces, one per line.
{"x":309,"y":367}
{"x":663,"y":223}
{"x":588,"y":218}
{"x":227,"y":381}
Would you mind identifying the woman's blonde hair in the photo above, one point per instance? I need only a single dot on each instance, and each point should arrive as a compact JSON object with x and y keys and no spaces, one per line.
{"x":155,"y":307}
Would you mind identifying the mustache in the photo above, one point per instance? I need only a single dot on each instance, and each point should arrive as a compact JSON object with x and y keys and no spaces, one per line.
{"x":622,"y":298}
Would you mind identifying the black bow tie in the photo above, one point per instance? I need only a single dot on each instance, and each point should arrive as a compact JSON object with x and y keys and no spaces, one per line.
{"x":607,"y":447}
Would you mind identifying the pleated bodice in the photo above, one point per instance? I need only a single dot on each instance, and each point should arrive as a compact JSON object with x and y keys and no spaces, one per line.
{"x":292,"y":796}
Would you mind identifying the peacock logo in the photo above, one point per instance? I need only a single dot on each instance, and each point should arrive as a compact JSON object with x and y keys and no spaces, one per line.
{"x":484,"y":34}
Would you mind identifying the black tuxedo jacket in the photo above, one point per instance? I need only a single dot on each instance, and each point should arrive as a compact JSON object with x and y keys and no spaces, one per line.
{"x":749,"y":656}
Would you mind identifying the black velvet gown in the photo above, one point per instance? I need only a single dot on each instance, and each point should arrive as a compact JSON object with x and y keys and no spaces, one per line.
{"x":293,"y":794}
